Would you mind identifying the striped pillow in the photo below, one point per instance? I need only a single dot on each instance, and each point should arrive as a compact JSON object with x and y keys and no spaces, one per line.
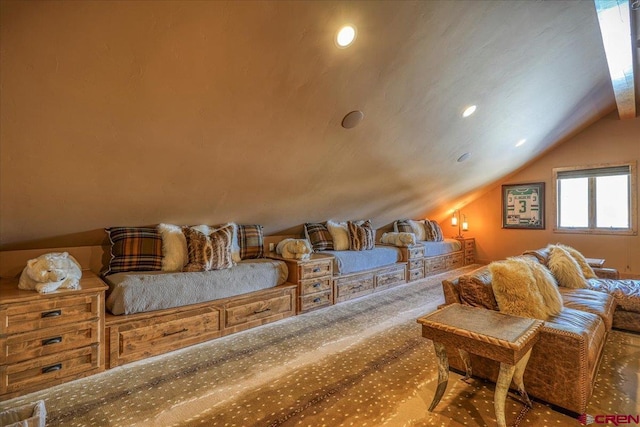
{"x":251,"y":241}
{"x":402,"y":226}
{"x":209,"y":251}
{"x":433,"y":231}
{"x":319,"y":236}
{"x":361,"y":237}
{"x":134,"y":249}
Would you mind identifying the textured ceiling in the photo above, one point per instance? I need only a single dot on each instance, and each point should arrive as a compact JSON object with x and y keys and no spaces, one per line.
{"x":132,"y":113}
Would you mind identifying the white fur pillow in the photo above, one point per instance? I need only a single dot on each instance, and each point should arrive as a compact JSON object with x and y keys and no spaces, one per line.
{"x":565,"y":268}
{"x":515,"y":289}
{"x":547,"y":286}
{"x":174,"y":247}
{"x":339,"y":234}
{"x":418,"y":229}
{"x":587,"y":271}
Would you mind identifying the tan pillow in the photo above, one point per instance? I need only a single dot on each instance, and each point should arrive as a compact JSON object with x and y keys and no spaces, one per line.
{"x":547,"y":287}
{"x":565,"y":269}
{"x":515,"y":289}
{"x":339,"y":234}
{"x":361,"y":237}
{"x":587,"y":271}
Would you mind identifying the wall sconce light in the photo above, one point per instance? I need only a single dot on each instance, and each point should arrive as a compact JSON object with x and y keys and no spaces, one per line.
{"x":462,"y":223}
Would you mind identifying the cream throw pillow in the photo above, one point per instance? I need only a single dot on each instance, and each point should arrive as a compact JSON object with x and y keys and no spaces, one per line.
{"x":339,"y":234}
{"x":418,"y":229}
{"x":174,"y":247}
{"x":547,"y":287}
{"x":565,"y":269}
{"x":587,"y":271}
{"x":515,"y":289}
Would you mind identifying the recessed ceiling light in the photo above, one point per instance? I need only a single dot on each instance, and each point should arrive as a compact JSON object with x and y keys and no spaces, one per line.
{"x":346,"y":36}
{"x":464,"y":157}
{"x":469,"y":111}
{"x":519,"y":143}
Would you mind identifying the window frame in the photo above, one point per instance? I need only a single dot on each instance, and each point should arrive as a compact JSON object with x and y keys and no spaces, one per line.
{"x":591,"y":228}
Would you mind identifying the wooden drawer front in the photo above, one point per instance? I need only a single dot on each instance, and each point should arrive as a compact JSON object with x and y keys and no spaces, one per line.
{"x":391,"y":277}
{"x":34,"y":373}
{"x":353,"y":287}
{"x":469,"y":260}
{"x":47,"y":313}
{"x":416,"y":252}
{"x":435,"y":264}
{"x":321,"y":299}
{"x":315,"y":285}
{"x":257,"y":310}
{"x":469,"y":252}
{"x":415,"y":274}
{"x":470,"y":244}
{"x":29,"y":345}
{"x":148,"y":338}
{"x":309,"y":270}
{"x":455,"y":260}
{"x":415,"y":263}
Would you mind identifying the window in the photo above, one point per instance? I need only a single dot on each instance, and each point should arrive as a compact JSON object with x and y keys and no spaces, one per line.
{"x":596,"y":199}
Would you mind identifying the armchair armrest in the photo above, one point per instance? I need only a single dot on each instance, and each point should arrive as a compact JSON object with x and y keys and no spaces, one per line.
{"x":606,"y":273}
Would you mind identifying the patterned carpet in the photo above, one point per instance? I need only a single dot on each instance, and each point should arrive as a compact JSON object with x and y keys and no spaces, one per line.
{"x":359,"y":363}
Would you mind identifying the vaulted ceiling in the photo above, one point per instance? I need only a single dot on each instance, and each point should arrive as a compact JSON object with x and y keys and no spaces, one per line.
{"x":134,"y":113}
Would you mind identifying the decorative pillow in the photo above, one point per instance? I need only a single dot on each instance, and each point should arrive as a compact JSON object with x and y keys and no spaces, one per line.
{"x":134,"y":249}
{"x":515,"y":289}
{"x":402,"y":226}
{"x":587,"y":271}
{"x":433,"y":232}
{"x":319,"y":236}
{"x":209,"y":252}
{"x":565,"y":269}
{"x":546,"y":285}
{"x":174,"y":247}
{"x":339,"y":235}
{"x":418,"y":229}
{"x":476,"y":291}
{"x":251,"y":241}
{"x":361,"y":237}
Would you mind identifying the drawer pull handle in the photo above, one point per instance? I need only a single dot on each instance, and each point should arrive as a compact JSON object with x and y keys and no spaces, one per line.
{"x":357,"y":287}
{"x":54,"y":340}
{"x":166,"y":334}
{"x":316,"y":269}
{"x":316,"y":285}
{"x":317,"y":300}
{"x":54,"y":313}
{"x":261,"y":311}
{"x":52,"y":368}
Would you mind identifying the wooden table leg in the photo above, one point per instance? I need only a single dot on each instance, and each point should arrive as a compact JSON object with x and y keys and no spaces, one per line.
{"x":443,"y":374}
{"x":467,"y":364}
{"x":502,"y":386}
{"x":517,"y":378}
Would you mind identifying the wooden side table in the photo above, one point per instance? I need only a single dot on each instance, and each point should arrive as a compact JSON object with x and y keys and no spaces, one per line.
{"x":500,"y":337}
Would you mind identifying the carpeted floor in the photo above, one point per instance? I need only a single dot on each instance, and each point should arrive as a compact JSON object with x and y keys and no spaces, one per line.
{"x":359,"y":363}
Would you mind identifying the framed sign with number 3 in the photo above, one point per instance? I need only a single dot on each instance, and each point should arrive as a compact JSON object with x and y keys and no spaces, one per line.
{"x":523,"y":206}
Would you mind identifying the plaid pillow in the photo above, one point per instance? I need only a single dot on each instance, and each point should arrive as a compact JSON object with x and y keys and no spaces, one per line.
{"x":361,"y":237}
{"x":134,"y":249}
{"x":251,"y":241}
{"x":402,"y":226}
{"x":319,"y":236}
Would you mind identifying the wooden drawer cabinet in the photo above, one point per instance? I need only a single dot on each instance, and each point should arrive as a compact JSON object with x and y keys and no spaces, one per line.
{"x":414,"y":257}
{"x":469,"y":249}
{"x":48,"y":339}
{"x":353,"y":286}
{"x":313,"y":278}
{"x":255,"y":310}
{"x":390,"y":277}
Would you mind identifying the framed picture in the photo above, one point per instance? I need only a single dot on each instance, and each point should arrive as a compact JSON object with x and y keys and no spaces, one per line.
{"x":523,"y":206}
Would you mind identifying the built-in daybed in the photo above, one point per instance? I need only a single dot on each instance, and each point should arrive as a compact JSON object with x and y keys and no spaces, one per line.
{"x":153,"y":309}
{"x":359,"y":266}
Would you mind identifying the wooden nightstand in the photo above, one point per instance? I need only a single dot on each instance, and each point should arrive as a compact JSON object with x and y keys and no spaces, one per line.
{"x":414,"y":257}
{"x":469,"y":248}
{"x":49,"y":339}
{"x":314,"y":280}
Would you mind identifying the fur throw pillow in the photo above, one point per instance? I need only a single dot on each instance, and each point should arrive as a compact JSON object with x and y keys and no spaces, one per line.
{"x":547,"y":286}
{"x":515,"y":289}
{"x":418,"y":229}
{"x":565,"y":269}
{"x":174,"y":247}
{"x":398,"y":239}
{"x":587,"y":271}
{"x":339,"y":234}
